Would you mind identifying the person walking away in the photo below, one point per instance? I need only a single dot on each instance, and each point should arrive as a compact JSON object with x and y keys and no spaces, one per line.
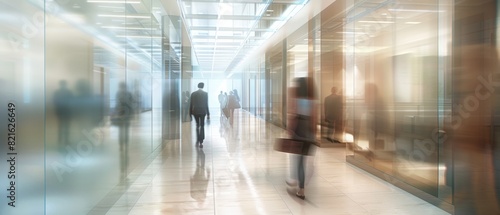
{"x":198,"y":108}
{"x":232,"y":104}
{"x":333,"y":113}
{"x":124,"y":111}
{"x":63,"y":99}
{"x":221,"y":102}
{"x":185,"y":107}
{"x":235,"y":92}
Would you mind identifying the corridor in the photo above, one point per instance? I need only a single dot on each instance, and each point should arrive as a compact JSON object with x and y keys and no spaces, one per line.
{"x":238,"y":172}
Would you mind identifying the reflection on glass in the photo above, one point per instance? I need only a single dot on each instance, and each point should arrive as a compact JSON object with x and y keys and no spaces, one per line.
{"x":277,"y":74}
{"x":392,"y":90}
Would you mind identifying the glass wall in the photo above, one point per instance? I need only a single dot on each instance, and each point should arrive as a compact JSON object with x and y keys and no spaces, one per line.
{"x":473,"y":122}
{"x":81,"y":92}
{"x":330,"y":59}
{"x":397,"y":58}
{"x":277,"y":81}
{"x":22,"y":106}
{"x":254,"y":86}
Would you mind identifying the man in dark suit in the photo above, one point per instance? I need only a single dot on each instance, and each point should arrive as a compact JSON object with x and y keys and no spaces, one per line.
{"x":333,"y":114}
{"x":198,"y":107}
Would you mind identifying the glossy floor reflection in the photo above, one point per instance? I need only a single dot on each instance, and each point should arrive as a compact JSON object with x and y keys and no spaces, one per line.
{"x":238,"y":172}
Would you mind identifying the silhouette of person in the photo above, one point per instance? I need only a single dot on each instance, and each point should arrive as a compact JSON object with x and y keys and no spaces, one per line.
{"x":185,"y":107}
{"x":302,"y":123}
{"x":198,"y":108}
{"x":333,"y":114}
{"x":63,"y":99}
{"x":235,"y":92}
{"x":225,"y":107}
{"x":232,"y":104}
{"x":124,"y":111}
{"x":87,"y":106}
{"x":221,"y":102}
{"x":137,"y":99}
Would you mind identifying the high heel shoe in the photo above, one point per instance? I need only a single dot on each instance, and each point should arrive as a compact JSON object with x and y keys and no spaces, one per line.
{"x":300,"y":196}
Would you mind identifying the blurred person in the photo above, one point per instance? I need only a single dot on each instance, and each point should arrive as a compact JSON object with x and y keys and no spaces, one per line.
{"x":198,"y":108}
{"x":63,"y":98}
{"x":232,"y":104}
{"x":333,"y":114}
{"x":302,"y":112}
{"x":88,"y":107}
{"x":226,"y":108}
{"x":221,"y":102}
{"x":124,"y":112}
{"x":137,"y":99}
{"x":185,"y":107}
{"x":235,"y":92}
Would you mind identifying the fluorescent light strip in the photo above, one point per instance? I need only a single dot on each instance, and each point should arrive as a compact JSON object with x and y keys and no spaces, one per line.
{"x":127,"y":28}
{"x":113,"y":2}
{"x":124,"y":16}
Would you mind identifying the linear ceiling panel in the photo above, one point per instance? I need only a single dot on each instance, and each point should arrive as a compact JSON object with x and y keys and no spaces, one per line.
{"x":228,"y":30}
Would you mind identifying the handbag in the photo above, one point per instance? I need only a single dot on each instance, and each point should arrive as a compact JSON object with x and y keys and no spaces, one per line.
{"x":294,"y":146}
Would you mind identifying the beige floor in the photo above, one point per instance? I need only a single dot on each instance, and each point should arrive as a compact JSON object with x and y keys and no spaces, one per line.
{"x":238,"y":172}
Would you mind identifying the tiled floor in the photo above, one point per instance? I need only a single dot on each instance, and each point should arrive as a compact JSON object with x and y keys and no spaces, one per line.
{"x":238,"y":172}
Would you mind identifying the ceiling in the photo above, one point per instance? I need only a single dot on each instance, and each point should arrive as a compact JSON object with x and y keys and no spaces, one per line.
{"x":224,"y":32}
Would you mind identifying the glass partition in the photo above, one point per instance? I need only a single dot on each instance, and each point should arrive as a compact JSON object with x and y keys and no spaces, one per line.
{"x":396,"y":58}
{"x":297,"y":54}
{"x":264,"y":96}
{"x":81,"y":82}
{"x":22,"y":99}
{"x":274,"y":63}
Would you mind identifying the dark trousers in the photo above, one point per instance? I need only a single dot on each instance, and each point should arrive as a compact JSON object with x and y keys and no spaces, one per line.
{"x":123,"y":130}
{"x":200,"y":127}
{"x":331,"y":128}
{"x":301,"y":171}
{"x":123,"y":135}
{"x":64,"y":124}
